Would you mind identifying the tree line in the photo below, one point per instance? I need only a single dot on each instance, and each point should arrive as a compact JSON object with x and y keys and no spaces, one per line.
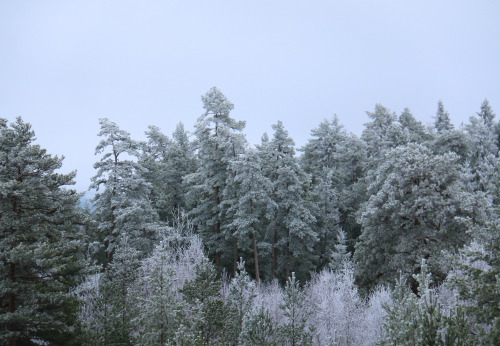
{"x":391,"y":237}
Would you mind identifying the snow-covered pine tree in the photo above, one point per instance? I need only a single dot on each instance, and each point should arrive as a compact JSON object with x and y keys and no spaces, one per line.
{"x":420,"y":319}
{"x":318,"y":160}
{"x":41,"y":247}
{"x":205,"y":316}
{"x":153,"y":160}
{"x":218,"y":141}
{"x":166,"y":162}
{"x":254,"y":205}
{"x":319,"y":152}
{"x":352,"y":162}
{"x":116,"y":325}
{"x":293,"y":234}
{"x":483,"y":148}
{"x":476,"y":276}
{"x":442,"y":121}
{"x":123,"y":207}
{"x":413,"y":130}
{"x":382,"y":133}
{"x":259,"y":330}
{"x":181,"y":161}
{"x":418,"y":206}
{"x":242,"y":291}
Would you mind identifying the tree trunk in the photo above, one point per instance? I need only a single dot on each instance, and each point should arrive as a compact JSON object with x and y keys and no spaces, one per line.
{"x":235,"y":260}
{"x":256,"y":259}
{"x":275,"y":253}
{"x":288,"y":255}
{"x":218,"y":253}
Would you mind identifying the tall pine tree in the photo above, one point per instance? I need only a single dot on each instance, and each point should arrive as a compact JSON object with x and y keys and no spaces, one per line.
{"x":40,"y":242}
{"x":218,"y":141}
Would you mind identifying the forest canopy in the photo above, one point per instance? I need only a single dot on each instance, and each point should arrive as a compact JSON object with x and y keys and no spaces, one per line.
{"x":202,"y":239}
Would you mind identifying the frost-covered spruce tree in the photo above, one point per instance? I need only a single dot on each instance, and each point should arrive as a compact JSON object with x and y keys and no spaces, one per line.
{"x":418,"y":206}
{"x":218,"y":141}
{"x":292,"y":231}
{"x":254,"y":205}
{"x":122,"y":207}
{"x":41,"y":247}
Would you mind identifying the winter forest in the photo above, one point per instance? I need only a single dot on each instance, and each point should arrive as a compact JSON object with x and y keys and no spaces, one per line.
{"x":199,"y":238}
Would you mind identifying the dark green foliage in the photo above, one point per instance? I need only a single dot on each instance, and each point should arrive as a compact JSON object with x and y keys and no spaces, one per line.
{"x":207,"y":316}
{"x":418,"y":206}
{"x":41,"y":247}
{"x":259,"y":330}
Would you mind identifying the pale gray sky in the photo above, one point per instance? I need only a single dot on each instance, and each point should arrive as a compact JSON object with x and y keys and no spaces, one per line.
{"x":64,"y":64}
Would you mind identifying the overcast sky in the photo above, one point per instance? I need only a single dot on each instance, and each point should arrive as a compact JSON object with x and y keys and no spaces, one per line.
{"x":64,"y":64}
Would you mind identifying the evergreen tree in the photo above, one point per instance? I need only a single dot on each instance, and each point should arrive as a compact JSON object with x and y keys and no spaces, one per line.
{"x":382,"y":133}
{"x":483,"y":149}
{"x":293,"y":234}
{"x":320,"y":161}
{"x":442,"y":121}
{"x":477,"y":278}
{"x":123,"y":207}
{"x":320,"y":150}
{"x":154,"y":163}
{"x":418,"y":206}
{"x":180,"y":162}
{"x":421,"y":320}
{"x":348,"y":178}
{"x":259,"y":330}
{"x":41,"y":247}
{"x":157,"y":309}
{"x":218,"y":141}
{"x":207,"y":317}
{"x":166,"y":162}
{"x":486,"y":114}
{"x":454,"y":141}
{"x":118,"y":301}
{"x":240,"y":299}
{"x":294,"y":331}
{"x":254,"y":205}
{"x":414,"y":131}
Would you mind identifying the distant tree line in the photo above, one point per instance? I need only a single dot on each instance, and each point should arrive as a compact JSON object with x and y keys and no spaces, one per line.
{"x":390,"y":238}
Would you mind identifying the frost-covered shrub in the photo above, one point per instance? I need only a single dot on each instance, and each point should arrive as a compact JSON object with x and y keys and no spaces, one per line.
{"x":336,"y":307}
